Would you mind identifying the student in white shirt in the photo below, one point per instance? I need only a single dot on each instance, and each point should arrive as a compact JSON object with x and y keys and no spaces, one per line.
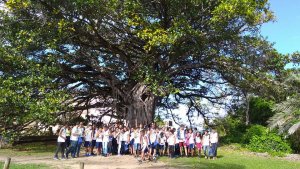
{"x":80,"y":138}
{"x":61,"y":143}
{"x":105,"y":140}
{"x":99,"y":139}
{"x":171,"y":143}
{"x":88,"y":136}
{"x":74,"y":141}
{"x":214,"y":138}
{"x":205,"y":143}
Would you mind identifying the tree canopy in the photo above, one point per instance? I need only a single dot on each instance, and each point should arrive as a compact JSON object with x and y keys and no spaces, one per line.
{"x":137,"y":55}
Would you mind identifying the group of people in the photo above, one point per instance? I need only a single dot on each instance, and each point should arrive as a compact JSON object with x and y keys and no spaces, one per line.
{"x":145,"y":142}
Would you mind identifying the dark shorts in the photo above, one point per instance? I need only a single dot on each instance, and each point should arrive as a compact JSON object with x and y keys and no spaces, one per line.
{"x":162,"y":147}
{"x":153,"y":146}
{"x":131,"y":142}
{"x":87,"y":144}
{"x":93,"y":143}
{"x":181,"y":144}
{"x":191,"y":146}
{"x":98,"y":144}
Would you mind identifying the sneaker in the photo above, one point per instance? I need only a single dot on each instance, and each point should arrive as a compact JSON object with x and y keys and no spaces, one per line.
{"x":55,"y":158}
{"x":63,"y":158}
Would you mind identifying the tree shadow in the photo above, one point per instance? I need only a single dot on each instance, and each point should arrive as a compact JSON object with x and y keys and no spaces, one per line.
{"x":207,"y":166}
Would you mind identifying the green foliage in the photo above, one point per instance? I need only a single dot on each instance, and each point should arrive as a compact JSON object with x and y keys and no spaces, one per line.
{"x":294,"y":140}
{"x":254,"y":130}
{"x":232,"y":129}
{"x":267,"y":141}
{"x":260,"y":110}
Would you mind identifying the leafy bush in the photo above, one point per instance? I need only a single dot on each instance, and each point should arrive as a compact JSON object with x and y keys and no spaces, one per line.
{"x":255,"y":130}
{"x":269,"y":142}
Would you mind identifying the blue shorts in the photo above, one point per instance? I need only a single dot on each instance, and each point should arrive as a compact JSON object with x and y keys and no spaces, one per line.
{"x":192,"y":146}
{"x":162,"y":147}
{"x":131,"y":142}
{"x":154,"y":146}
{"x":93,"y":143}
{"x":87,"y":144}
{"x":98,"y":144}
{"x":137,"y":146}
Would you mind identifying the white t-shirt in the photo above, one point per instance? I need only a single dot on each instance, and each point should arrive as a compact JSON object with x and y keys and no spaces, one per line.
{"x":214,"y":137}
{"x":106,"y":136}
{"x":88,"y":135}
{"x":182,"y":135}
{"x":74,"y":131}
{"x":191,"y":139}
{"x":153,"y":137}
{"x":205,"y":140}
{"x":162,"y":140}
{"x":137,"y":138}
{"x":125,"y":136}
{"x":171,"y":140}
{"x":94,"y":134}
{"x":198,"y":139}
{"x":132,"y":135}
{"x":100,"y":137}
{"x":80,"y":130}
{"x":63,"y":133}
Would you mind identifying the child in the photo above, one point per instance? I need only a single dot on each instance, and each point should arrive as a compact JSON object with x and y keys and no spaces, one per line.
{"x":137,"y":142}
{"x":105,"y":140}
{"x":88,"y":135}
{"x":162,"y":142}
{"x":109,"y":144}
{"x":198,"y":143}
{"x":144,"y":143}
{"x":171,"y":143}
{"x":191,"y":141}
{"x":99,"y":138}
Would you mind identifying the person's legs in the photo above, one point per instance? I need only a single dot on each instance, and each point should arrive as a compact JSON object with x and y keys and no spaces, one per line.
{"x":119,"y":148}
{"x":104,"y":148}
{"x":58,"y":149}
{"x":78,"y":148}
{"x":63,"y":146}
{"x":181,"y":148}
{"x":72,"y":148}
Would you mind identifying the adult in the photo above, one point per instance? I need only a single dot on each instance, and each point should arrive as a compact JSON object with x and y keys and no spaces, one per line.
{"x":61,"y":143}
{"x":74,"y":141}
{"x":181,"y":139}
{"x":214,"y":138}
{"x":80,"y":138}
{"x":205,"y":143}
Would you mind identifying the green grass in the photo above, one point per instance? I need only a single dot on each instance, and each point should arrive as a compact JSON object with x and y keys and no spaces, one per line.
{"x":25,"y":166}
{"x":34,"y":149}
{"x":229,"y":158}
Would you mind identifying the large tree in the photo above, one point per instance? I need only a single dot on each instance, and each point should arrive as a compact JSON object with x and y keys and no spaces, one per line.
{"x":137,"y":55}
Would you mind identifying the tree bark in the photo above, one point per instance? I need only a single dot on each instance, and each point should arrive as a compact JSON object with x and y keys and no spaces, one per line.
{"x":140,"y":106}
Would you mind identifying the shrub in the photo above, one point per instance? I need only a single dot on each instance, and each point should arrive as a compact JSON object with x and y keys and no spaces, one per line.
{"x":255,"y":130}
{"x":269,"y":142}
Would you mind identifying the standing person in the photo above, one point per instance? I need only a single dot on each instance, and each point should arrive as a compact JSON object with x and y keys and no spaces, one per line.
{"x":68,"y":136}
{"x":88,"y":136}
{"x":214,"y":138}
{"x":153,"y":141}
{"x":191,"y":144}
{"x":131,"y":145}
{"x":171,"y":143}
{"x":94,"y":131}
{"x":80,"y":138}
{"x":181,"y":138}
{"x":198,"y":143}
{"x":126,"y":139}
{"x":61,"y":143}
{"x":137,"y":142}
{"x":74,"y":141}
{"x":205,"y":143}
{"x":109,"y":144}
{"x":162,"y":142}
{"x":105,"y":140}
{"x":99,"y":138}
{"x":120,"y":138}
{"x":144,"y":144}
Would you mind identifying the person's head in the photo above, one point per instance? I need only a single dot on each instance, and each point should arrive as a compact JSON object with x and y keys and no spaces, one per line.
{"x":206,"y":132}
{"x":81,"y":124}
{"x":142,"y":132}
{"x":195,"y":129}
{"x":172,"y":131}
{"x":182,"y":127}
{"x":66,"y":125}
{"x":198,"y":134}
{"x":141,"y":125}
{"x":190,"y":130}
{"x":100,"y":129}
{"x":105,"y":128}
{"x":162,"y":134}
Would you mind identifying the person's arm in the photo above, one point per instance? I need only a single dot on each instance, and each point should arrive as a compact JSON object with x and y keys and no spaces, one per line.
{"x":60,"y":134}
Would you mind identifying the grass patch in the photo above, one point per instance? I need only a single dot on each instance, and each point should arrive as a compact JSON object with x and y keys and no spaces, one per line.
{"x":36,"y":149}
{"x":25,"y":166}
{"x":229,"y":158}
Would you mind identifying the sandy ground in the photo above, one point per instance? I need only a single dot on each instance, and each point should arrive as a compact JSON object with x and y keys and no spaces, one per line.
{"x":98,"y":162}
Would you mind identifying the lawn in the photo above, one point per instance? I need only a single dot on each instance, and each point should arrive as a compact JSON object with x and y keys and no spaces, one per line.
{"x":229,"y":158}
{"x":25,"y":166}
{"x":36,"y":149}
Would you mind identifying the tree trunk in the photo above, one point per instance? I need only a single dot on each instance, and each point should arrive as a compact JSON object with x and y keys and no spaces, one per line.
{"x":140,"y":107}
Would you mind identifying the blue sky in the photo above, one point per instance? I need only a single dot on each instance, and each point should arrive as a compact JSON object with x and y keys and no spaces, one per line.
{"x":285,"y":31}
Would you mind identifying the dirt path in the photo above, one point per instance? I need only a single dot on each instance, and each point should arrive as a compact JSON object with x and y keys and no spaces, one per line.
{"x":113,"y":162}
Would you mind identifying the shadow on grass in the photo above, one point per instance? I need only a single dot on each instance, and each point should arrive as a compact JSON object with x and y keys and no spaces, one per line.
{"x":40,"y":147}
{"x":204,"y":165}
